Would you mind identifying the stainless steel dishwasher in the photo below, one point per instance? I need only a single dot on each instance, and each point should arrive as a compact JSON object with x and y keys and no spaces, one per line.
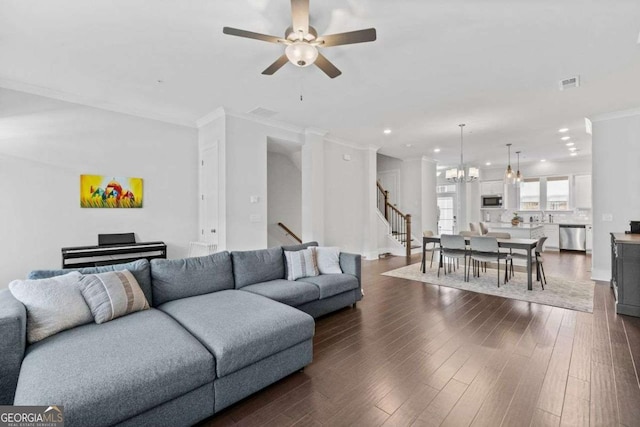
{"x":573,"y":237}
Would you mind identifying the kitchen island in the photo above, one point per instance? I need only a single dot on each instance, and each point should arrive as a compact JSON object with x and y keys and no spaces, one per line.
{"x":520,"y":231}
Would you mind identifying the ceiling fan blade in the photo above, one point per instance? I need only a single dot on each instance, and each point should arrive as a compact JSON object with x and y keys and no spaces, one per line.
{"x":300,"y":16}
{"x":325,"y":65}
{"x":251,"y":35}
{"x":276,"y":65}
{"x":351,"y":37}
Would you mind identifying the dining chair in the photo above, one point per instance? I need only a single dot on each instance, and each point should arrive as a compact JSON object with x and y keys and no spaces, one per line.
{"x":475,"y":226}
{"x":537,"y":258}
{"x":452,"y":247}
{"x":483,"y":228}
{"x":485,"y":249}
{"x":497,"y":235}
{"x":434,"y":248}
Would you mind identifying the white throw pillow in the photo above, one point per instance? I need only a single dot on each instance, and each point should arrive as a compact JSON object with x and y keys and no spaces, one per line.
{"x":53,"y":304}
{"x":301,"y":264}
{"x":328,"y":259}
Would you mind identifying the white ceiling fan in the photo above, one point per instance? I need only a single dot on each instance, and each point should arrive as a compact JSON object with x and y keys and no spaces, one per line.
{"x":302,"y":41}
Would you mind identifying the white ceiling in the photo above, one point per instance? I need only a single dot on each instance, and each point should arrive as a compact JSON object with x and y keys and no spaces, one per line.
{"x":494,"y":65}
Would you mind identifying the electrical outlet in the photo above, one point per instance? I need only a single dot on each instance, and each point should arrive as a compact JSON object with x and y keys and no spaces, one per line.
{"x":255,"y":218}
{"x":607,"y":217}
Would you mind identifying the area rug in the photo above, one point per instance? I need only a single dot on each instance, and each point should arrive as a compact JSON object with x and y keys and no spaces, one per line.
{"x":559,"y":291}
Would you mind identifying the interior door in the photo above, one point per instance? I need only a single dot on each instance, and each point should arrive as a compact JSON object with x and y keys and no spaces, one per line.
{"x":209,"y":194}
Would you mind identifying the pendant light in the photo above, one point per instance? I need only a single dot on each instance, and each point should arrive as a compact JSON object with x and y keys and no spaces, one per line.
{"x":462,"y":173}
{"x":519,"y":177}
{"x":509,"y":175}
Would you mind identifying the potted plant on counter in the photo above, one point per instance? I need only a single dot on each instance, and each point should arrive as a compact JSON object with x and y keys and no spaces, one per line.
{"x":515,"y":220}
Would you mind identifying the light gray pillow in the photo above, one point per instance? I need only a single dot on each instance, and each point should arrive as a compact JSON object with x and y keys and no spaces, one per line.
{"x":328,"y":259}
{"x":112,"y":294}
{"x":301,"y":264}
{"x":53,"y":304}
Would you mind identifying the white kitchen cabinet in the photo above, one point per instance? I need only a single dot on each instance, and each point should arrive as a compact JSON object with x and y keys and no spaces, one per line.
{"x":552,"y":231}
{"x":491,"y":188}
{"x":589,"y":233}
{"x":582,"y":191}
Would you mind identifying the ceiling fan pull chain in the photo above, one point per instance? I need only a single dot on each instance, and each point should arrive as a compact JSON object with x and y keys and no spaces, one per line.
{"x":301,"y":89}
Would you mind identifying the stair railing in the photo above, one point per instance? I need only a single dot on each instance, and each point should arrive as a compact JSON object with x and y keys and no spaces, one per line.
{"x":289,"y":232}
{"x":400,"y":222}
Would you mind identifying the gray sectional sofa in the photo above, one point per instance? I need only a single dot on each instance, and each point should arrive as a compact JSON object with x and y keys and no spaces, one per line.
{"x":220,"y":328}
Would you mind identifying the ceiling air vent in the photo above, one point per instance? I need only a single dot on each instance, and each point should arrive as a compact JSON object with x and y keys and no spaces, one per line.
{"x":569,"y":83}
{"x":263,"y":112}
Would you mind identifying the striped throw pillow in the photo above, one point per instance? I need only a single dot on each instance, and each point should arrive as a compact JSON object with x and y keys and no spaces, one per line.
{"x":112,"y":294}
{"x":301,"y":263}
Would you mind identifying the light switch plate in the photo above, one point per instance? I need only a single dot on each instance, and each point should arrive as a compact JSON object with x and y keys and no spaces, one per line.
{"x":254,"y":199}
{"x":607,"y":217}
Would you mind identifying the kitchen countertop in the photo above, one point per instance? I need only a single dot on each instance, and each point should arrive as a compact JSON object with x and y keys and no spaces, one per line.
{"x":508,"y":225}
{"x":627,"y":238}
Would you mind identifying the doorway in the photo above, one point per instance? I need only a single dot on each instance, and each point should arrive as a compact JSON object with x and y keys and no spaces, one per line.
{"x":447,"y":214}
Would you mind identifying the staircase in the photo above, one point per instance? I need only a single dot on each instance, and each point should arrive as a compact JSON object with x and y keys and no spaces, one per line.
{"x":398,"y":223}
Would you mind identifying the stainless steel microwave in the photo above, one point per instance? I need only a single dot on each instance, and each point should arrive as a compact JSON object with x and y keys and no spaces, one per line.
{"x":492,"y":202}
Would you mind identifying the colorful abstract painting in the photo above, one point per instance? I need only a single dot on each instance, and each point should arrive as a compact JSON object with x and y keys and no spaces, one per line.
{"x":98,"y":191}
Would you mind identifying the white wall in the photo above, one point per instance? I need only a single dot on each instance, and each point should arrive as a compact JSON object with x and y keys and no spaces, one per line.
{"x":616,"y":184}
{"x":411,"y":194}
{"x":284,"y":198}
{"x":45,"y":145}
{"x":386,"y":163}
{"x":345,"y":189}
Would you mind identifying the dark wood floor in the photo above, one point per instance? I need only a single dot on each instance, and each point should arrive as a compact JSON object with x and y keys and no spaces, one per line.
{"x":416,"y":354}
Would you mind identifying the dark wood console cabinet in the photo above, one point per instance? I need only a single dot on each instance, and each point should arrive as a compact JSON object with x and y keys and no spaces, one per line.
{"x":625,"y":272}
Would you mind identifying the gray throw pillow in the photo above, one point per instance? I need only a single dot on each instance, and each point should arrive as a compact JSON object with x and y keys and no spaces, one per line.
{"x":112,"y":294}
{"x":52,"y":304}
{"x":301,"y":263}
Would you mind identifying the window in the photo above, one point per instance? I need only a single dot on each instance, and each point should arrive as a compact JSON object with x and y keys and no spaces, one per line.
{"x":530,"y":195}
{"x":449,"y":188}
{"x":558,"y":193}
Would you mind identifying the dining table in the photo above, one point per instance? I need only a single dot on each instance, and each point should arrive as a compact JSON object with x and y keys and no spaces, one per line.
{"x":527,"y":245}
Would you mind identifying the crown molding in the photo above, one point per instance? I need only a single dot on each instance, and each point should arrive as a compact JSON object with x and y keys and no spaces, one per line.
{"x":316,"y":131}
{"x":92,"y":102}
{"x":349,"y":144}
{"x":265,"y":121}
{"x":615,"y":115}
{"x":210,"y":117}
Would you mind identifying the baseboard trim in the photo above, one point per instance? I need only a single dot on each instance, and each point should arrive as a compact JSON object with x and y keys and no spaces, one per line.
{"x":599,"y":274}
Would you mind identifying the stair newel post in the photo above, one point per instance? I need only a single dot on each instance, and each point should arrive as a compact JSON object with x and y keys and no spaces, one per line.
{"x":408,"y":236}
{"x":386,"y":205}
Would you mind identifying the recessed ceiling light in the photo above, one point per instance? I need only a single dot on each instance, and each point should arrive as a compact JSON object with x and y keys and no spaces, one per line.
{"x":565,"y":138}
{"x":570,"y":144}
{"x":407,"y":145}
{"x":436,"y":150}
{"x":572,"y":149}
{"x":574,"y":154}
{"x":563,"y":130}
{"x":387,"y":131}
{"x":543,"y":160}
{"x":488,"y":164}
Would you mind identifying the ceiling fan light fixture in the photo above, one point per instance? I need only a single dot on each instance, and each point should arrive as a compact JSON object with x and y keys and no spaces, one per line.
{"x":301,"y":53}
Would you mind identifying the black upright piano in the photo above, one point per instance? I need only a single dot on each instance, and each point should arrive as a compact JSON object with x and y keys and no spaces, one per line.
{"x":112,"y":249}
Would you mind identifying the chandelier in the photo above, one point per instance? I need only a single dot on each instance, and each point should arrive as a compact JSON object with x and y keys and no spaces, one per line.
{"x":462,"y":173}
